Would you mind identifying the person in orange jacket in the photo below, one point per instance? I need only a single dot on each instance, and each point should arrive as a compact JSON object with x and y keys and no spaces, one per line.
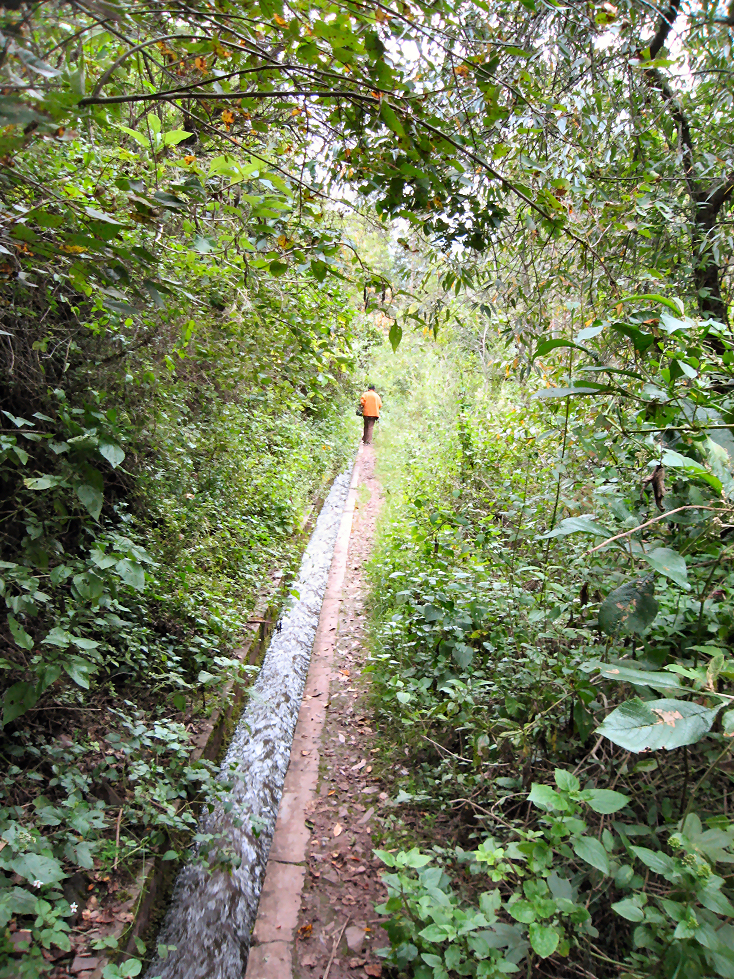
{"x":371,"y":404}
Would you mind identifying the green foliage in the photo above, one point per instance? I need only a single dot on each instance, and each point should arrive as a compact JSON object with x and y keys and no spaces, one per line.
{"x":529,"y":576}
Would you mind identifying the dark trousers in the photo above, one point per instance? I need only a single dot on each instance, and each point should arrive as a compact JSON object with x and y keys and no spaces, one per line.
{"x":369,"y":424}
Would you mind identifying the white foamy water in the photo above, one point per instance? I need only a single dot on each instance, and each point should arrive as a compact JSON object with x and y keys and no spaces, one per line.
{"x":212,"y":912}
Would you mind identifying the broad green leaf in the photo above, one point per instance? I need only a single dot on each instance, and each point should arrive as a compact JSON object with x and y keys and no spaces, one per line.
{"x":670,"y":324}
{"x":546,"y":346}
{"x":91,"y":498}
{"x":577,"y":525}
{"x":659,"y":863}
{"x":48,"y":676}
{"x":566,"y":781}
{"x":35,"y":866}
{"x":544,"y":797}
{"x":463,"y":655}
{"x":35,"y":64}
{"x":712,"y":898}
{"x":589,"y":332}
{"x":112,"y":453}
{"x":629,"y":609}
{"x":19,"y":634}
{"x":58,"y":637}
{"x":387,"y":858}
{"x":138,"y":137}
{"x":131,"y":573}
{"x":543,"y":938}
{"x":516,"y":52}
{"x":640,"y":678}
{"x":414,"y":858}
{"x":605,"y":801}
{"x":395,"y":336}
{"x":589,"y":849}
{"x":203,"y":245}
{"x":639,"y":726}
{"x":41,"y":482}
{"x":669,"y":563}
{"x":521,"y":911}
{"x":80,"y":670}
{"x":675,"y":304}
{"x":390,"y":118}
{"x":547,"y":393}
{"x":674,"y":460}
{"x":17,"y":700}
{"x":629,"y":910}
{"x":89,"y":585}
{"x":175,"y":136}
{"x":14,"y":901}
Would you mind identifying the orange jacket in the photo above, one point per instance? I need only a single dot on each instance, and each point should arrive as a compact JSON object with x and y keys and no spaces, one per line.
{"x":371,"y":404}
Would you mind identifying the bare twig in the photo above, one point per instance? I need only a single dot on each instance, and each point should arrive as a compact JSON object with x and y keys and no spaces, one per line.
{"x":336,"y":946}
{"x":648,"y":522}
{"x":117,"y":839}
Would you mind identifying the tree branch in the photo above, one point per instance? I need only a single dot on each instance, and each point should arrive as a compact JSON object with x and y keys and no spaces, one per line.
{"x":226,"y":96}
{"x":106,"y":75}
{"x":667,"y":19}
{"x":717,"y":197}
{"x":655,"y":80}
{"x":509,"y":185}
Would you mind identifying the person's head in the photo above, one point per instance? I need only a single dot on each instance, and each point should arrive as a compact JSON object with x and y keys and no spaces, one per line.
{"x":370,"y":387}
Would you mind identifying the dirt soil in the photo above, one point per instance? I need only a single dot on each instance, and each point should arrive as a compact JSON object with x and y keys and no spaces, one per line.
{"x":343,"y":881}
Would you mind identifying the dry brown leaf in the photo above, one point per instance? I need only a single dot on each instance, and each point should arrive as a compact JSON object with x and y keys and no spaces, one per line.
{"x":338,"y":829}
{"x":668,"y":717}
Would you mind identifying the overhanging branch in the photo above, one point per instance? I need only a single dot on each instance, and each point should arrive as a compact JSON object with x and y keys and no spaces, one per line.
{"x":667,"y":19}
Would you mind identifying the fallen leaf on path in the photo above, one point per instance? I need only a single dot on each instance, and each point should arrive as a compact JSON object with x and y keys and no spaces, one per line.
{"x":355,"y":963}
{"x":342,"y":739}
{"x":359,"y":766}
{"x":374,"y":969}
{"x":309,"y":961}
{"x":305,"y":931}
{"x":338,"y":829}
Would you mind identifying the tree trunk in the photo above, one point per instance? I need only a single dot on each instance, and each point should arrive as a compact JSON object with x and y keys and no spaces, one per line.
{"x":707,"y":274}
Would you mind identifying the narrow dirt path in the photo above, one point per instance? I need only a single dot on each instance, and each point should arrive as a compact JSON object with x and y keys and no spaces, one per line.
{"x":317,"y":908}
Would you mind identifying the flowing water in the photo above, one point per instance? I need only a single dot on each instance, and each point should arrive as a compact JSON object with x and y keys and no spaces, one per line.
{"x":212,"y":912}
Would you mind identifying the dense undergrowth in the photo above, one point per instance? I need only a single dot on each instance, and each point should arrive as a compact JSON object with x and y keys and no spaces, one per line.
{"x":178,"y":276}
{"x":544,"y":828}
{"x":153,"y":486}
